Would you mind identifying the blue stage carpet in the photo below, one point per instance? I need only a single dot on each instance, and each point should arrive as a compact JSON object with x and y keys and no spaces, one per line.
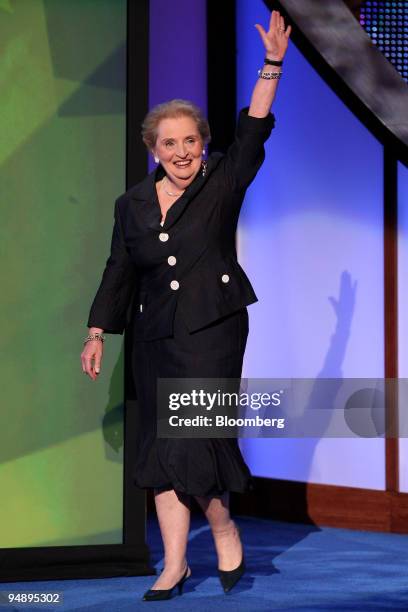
{"x":290,"y":567}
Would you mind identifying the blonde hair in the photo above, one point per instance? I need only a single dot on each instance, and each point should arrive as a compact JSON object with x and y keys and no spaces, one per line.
{"x":172,"y":109}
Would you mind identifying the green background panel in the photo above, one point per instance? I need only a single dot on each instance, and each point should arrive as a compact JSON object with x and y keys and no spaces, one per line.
{"x":62,"y":164}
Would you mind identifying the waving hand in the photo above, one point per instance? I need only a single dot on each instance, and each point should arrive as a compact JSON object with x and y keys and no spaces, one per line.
{"x":276,"y":39}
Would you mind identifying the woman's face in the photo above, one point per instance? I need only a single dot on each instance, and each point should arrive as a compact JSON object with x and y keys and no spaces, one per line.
{"x":179,"y":149}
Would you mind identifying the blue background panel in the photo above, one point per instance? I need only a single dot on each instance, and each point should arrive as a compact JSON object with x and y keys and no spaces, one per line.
{"x":311,"y":241}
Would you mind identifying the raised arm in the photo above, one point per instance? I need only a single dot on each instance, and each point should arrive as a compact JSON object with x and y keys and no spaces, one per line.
{"x":247,"y":152}
{"x":275,"y":41}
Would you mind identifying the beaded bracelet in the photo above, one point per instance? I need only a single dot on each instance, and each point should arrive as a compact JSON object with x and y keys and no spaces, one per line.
{"x":95,"y":336}
{"x":269,"y":75}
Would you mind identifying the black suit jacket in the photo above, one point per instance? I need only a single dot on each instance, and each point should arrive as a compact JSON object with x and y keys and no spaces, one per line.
{"x":189,"y":262}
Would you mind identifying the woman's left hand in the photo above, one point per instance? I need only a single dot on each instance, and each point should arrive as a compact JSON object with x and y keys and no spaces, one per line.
{"x":277,"y":38}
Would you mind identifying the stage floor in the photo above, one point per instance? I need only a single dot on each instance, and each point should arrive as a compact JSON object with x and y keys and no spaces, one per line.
{"x":290,"y":567}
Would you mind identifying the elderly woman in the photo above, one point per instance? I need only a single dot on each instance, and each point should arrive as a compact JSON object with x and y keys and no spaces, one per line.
{"x":173,"y":265}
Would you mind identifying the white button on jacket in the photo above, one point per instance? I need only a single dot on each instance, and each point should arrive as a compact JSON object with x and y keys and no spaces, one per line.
{"x":209,"y":283}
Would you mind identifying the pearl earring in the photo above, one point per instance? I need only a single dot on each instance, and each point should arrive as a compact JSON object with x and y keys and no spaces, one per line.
{"x":156,"y":159}
{"x":203,"y":151}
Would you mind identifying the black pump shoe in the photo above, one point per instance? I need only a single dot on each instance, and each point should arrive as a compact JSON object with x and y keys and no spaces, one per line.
{"x":229,"y":578}
{"x":159,"y":594}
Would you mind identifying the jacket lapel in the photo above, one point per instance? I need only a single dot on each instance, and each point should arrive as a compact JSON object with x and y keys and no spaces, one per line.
{"x":145,"y":192}
{"x":177,"y":209}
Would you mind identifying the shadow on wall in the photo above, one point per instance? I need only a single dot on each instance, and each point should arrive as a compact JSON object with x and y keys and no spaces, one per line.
{"x":255,"y":501}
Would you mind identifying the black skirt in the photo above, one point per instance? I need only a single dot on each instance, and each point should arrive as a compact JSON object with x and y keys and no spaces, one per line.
{"x":196,"y":466}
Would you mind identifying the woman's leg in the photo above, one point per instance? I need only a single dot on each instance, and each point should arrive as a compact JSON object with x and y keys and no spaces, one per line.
{"x":225,"y":533}
{"x":173,"y":512}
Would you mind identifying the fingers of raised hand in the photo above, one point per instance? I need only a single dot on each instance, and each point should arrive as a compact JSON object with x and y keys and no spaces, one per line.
{"x":276,"y":38}
{"x":273,"y":20}
{"x":282,"y":30}
{"x":277,"y":24}
{"x":281,"y":25}
{"x":262,"y":32}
